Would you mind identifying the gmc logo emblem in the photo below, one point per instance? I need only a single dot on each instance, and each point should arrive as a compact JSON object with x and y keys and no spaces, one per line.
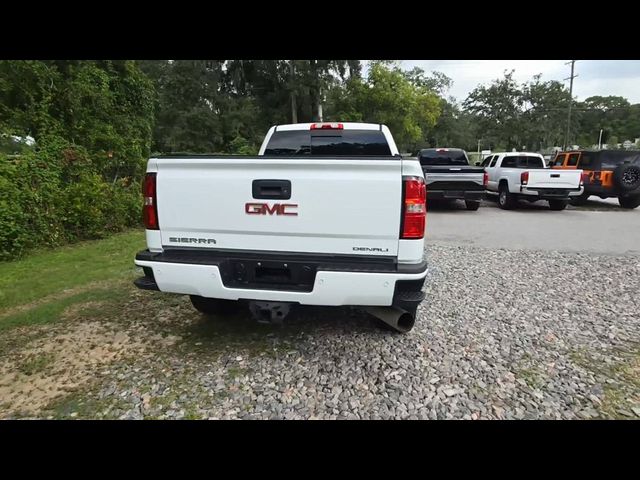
{"x":265,"y":209}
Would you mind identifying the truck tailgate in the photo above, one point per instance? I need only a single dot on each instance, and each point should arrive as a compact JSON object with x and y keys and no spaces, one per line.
{"x":345,"y":206}
{"x":552,"y":178}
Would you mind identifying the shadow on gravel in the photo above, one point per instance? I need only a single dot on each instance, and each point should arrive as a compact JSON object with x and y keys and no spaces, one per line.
{"x":599,"y":206}
{"x":448,"y":206}
{"x":241,"y":330}
{"x":594,"y":204}
{"x":491,"y":201}
{"x":435,"y":206}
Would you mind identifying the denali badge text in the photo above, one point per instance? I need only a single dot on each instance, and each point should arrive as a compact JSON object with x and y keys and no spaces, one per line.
{"x":265,"y":209}
{"x":370,"y":249}
{"x":206,"y":241}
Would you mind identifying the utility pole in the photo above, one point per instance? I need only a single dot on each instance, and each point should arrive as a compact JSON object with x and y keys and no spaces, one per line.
{"x":600,"y":140}
{"x":294,"y":107}
{"x":566,"y":138}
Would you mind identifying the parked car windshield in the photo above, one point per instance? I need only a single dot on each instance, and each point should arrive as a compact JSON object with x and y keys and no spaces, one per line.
{"x":442,"y":156}
{"x":328,"y":143}
{"x":522,"y":161}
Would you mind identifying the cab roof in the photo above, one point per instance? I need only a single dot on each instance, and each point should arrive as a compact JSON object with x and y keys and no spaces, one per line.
{"x":518,"y":153}
{"x":345,"y":126}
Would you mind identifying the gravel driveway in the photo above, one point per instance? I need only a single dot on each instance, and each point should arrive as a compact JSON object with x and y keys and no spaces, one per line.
{"x":502,"y":334}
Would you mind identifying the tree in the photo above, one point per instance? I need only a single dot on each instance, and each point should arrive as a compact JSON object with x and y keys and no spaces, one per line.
{"x":497,"y":109}
{"x":437,"y":82}
{"x":105,"y":106}
{"x":387,"y":96}
{"x":455,"y":128}
{"x":613,"y":114}
{"x":205,"y":106}
{"x":189,"y":106}
{"x":532,"y":115}
{"x":544,"y":119}
{"x":89,"y":129}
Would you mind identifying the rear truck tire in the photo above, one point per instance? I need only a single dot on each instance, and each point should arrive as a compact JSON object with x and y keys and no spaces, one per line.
{"x":214,"y":306}
{"x":627,"y":177}
{"x":558,"y":204}
{"x":472,"y":204}
{"x":580,"y":199}
{"x":629,"y":202}
{"x":506,"y":200}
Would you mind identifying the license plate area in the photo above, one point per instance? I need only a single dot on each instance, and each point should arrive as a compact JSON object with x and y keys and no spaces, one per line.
{"x":268,"y":275}
{"x":453,"y":194}
{"x":553,"y":192}
{"x":273,"y":274}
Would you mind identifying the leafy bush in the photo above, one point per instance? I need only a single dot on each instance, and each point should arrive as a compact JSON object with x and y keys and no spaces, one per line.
{"x":241,"y":146}
{"x":54,"y":196}
{"x":91,"y":121}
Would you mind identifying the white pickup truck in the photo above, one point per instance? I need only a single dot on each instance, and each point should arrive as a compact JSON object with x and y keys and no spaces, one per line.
{"x":524,"y":176}
{"x":325,"y":214}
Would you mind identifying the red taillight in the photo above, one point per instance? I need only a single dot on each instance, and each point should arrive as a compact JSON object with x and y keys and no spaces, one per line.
{"x":150,"y":208}
{"x":485,"y":179}
{"x":414,"y":209}
{"x":327,"y":126}
{"x":584,"y":178}
{"x":524,"y":178}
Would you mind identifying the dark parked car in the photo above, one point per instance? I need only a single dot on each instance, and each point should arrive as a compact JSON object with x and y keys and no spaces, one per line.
{"x":449,"y":176}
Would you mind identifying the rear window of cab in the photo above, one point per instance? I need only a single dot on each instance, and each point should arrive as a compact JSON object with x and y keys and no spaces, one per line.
{"x":337,"y":143}
{"x":442,"y":156}
{"x":522,"y":161}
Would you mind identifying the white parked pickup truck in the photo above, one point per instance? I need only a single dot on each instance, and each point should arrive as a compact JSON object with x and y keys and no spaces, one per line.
{"x":325,"y":214}
{"x":524,"y":176}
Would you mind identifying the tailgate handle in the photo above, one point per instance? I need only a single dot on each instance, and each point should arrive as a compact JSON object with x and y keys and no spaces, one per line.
{"x":555,"y":175}
{"x":271,"y":189}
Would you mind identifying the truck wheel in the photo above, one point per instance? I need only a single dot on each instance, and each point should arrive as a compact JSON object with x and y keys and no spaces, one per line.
{"x":558,"y":204}
{"x":629,"y":202}
{"x":472,"y":204}
{"x":505,"y":199}
{"x":213,"y":306}
{"x":580,"y":199}
{"x":627,"y":177}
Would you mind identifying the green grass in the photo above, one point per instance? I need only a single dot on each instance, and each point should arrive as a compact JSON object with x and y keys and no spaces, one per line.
{"x":83,"y":406}
{"x":53,"y":271}
{"x":532,"y":376}
{"x":624,"y":393}
{"x":52,"y":311}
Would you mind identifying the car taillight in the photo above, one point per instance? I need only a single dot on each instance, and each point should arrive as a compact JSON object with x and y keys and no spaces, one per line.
{"x":327,"y":126}
{"x":414,"y":208}
{"x":485,"y":179}
{"x":524,"y":178}
{"x":584,"y":178}
{"x":150,"y":208}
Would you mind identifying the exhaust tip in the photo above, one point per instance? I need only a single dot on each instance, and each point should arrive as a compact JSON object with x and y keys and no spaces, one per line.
{"x":405,"y":322}
{"x":398,"y":319}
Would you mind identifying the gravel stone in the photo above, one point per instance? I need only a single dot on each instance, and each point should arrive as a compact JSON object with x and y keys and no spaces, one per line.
{"x":503,"y":334}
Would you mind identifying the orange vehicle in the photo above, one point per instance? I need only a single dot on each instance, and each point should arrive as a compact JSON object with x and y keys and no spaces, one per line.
{"x":611,"y":173}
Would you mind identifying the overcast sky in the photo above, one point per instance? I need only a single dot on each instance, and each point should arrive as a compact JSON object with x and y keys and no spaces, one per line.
{"x":595,"y":77}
